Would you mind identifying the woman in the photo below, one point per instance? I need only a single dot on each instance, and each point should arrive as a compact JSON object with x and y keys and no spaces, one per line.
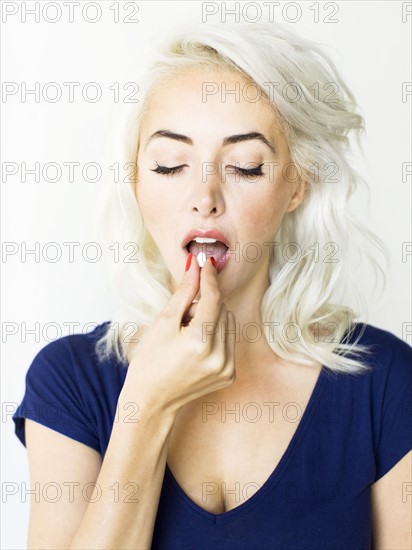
{"x":252,"y":411}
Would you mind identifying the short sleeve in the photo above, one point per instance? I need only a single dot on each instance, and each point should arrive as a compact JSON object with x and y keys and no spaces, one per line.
{"x":395,"y":416}
{"x":53,"y":396}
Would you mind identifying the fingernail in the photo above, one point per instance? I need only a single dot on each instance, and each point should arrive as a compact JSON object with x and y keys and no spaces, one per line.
{"x":188,"y":262}
{"x":213,"y":261}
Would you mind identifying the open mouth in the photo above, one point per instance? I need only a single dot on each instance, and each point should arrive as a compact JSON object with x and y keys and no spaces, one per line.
{"x":211,"y":247}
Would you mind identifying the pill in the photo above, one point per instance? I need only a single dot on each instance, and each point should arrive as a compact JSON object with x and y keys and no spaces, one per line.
{"x":201,"y":258}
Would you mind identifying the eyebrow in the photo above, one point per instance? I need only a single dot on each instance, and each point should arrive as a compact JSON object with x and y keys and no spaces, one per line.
{"x":230,"y":140}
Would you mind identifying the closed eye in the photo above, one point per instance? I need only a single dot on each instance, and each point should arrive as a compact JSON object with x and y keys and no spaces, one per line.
{"x":257,"y":171}
{"x":165,"y":170}
{"x":168,"y":171}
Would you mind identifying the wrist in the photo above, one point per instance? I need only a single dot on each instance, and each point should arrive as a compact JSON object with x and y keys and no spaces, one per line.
{"x":137,"y":407}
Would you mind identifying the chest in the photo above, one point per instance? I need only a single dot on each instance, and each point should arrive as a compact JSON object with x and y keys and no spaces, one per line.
{"x":225,"y":445}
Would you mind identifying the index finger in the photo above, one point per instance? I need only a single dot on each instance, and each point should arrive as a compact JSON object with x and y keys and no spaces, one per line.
{"x":210,"y":302}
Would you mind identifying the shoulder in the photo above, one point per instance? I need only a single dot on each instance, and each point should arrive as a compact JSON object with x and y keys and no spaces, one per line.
{"x":390,"y":402}
{"x":378,"y":336}
{"x":389,"y":381}
{"x":72,"y":347}
{"x":388,"y":354}
{"x":80,"y":340}
{"x":71,"y":362}
{"x":69,"y":390}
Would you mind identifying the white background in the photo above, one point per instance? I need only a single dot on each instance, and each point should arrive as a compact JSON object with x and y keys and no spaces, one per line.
{"x":370,"y":45}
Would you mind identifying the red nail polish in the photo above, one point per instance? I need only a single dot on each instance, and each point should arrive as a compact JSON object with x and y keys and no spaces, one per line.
{"x":213,"y":261}
{"x":188,"y":261}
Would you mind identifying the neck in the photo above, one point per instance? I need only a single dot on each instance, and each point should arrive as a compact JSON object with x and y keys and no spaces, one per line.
{"x":251,"y":343}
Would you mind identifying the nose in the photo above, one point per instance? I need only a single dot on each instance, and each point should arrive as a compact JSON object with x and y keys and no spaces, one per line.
{"x":207,"y":198}
{"x":204,"y":209}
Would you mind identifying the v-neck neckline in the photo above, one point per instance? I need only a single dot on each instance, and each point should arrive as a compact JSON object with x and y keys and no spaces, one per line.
{"x":274,"y":476}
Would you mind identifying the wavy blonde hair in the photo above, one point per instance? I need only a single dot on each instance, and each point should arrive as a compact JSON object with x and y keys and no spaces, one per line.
{"x":304,"y":292}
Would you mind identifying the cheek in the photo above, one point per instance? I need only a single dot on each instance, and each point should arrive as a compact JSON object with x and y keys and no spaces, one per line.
{"x":153,"y":201}
{"x":160,"y":213}
{"x":262,"y":217}
{"x":150,"y":214}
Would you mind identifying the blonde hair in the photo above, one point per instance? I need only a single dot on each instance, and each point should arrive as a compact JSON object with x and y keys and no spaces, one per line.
{"x":301,"y":293}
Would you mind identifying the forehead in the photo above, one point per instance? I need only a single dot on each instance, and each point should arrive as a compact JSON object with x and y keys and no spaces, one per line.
{"x":200,"y":97}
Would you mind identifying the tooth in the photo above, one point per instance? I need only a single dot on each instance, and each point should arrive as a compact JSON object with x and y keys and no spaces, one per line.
{"x":204,"y":240}
{"x":201,"y":258}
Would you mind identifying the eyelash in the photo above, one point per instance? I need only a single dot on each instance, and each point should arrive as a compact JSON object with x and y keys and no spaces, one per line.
{"x":164,"y":170}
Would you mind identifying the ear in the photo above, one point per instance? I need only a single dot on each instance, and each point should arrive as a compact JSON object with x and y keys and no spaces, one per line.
{"x":298,"y":196}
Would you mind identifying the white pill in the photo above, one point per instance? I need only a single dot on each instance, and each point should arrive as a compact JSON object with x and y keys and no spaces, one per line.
{"x":201,"y":258}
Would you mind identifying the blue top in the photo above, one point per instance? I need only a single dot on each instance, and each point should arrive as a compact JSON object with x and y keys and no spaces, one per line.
{"x":354,"y":429}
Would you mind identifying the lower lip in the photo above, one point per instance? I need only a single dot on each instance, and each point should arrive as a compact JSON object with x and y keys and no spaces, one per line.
{"x":220,"y":264}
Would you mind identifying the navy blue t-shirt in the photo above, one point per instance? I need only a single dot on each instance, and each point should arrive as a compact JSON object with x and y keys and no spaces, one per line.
{"x":354,"y":429}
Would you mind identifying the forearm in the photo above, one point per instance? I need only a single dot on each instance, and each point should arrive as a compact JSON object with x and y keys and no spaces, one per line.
{"x":136,"y":455}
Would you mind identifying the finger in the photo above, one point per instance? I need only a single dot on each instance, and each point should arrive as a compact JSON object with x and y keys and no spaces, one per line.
{"x":185,"y":293}
{"x":230,"y":337}
{"x":209,"y":305}
{"x":213,"y":332}
{"x":188,"y":316}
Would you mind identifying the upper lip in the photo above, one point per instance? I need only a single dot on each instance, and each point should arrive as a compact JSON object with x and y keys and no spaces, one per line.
{"x":198,"y":232}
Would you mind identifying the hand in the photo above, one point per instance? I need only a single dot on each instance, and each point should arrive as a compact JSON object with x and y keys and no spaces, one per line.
{"x":177,"y":360}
